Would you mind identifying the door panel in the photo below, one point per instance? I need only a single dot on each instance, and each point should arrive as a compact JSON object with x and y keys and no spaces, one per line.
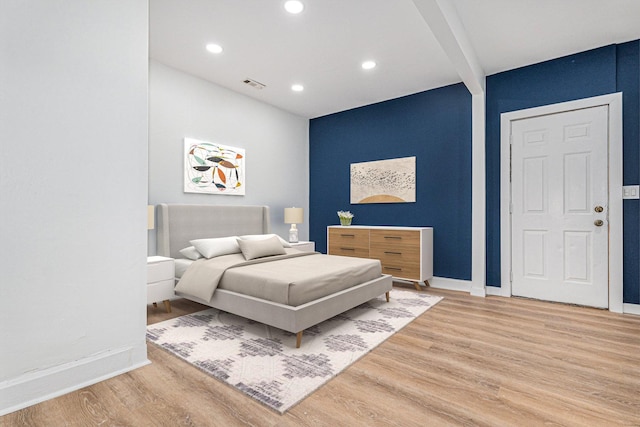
{"x":577,"y":183}
{"x":535,"y":253}
{"x":534,"y":189}
{"x":559,"y":175}
{"x":577,"y":260}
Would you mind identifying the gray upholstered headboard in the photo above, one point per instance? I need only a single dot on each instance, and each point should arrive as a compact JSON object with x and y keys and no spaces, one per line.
{"x":177,"y":224}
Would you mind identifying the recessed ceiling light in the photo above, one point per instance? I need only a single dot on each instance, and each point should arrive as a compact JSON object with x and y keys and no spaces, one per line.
{"x":294,"y":6}
{"x":297,"y":88}
{"x":214,"y":48}
{"x":367,"y":65}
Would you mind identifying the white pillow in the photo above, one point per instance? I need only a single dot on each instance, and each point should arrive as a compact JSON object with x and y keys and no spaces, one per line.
{"x":191,"y":252}
{"x":259,"y":248}
{"x":265,"y":236}
{"x":210,"y":248}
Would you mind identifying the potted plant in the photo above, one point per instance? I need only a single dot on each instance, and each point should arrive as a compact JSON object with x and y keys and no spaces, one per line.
{"x":345,"y":217}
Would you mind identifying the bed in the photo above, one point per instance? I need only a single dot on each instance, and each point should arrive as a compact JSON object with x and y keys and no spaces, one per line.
{"x":179,"y":224}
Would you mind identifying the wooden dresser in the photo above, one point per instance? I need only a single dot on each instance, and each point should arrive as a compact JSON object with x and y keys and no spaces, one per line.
{"x":406,"y":253}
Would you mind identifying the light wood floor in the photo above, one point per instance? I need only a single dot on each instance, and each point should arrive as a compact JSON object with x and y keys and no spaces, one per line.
{"x":467,"y":361}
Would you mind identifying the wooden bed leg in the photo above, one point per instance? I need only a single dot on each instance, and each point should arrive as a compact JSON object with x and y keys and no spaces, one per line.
{"x":387,"y":295}
{"x":417,"y":286}
{"x":167,"y":305}
{"x":298,"y":339}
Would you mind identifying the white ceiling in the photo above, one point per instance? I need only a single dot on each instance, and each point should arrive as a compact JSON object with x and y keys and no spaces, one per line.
{"x":323,"y":47}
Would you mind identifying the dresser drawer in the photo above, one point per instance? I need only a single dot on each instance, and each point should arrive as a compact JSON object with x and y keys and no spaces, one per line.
{"x":401,"y":270}
{"x":408,"y":257}
{"x":395,"y":239}
{"x":402,"y":247}
{"x":349,"y":242}
{"x":348,"y":251}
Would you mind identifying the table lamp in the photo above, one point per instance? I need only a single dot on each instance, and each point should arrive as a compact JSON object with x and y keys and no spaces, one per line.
{"x":293,"y":216}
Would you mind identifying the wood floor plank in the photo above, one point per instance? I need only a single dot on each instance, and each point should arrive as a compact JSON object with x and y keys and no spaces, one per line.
{"x":467,"y":361}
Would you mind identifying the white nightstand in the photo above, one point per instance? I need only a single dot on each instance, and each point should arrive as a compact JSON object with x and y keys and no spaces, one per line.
{"x":304,"y":246}
{"x":160,"y":280}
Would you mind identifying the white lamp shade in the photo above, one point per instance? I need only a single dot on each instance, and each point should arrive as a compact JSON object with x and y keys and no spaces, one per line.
{"x":293,"y":215}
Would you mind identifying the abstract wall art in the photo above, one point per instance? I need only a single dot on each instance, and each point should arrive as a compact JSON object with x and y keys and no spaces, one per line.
{"x":213,"y":168}
{"x":384,"y":181}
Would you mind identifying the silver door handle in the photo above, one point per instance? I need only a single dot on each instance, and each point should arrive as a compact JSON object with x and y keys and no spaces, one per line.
{"x":598,"y":223}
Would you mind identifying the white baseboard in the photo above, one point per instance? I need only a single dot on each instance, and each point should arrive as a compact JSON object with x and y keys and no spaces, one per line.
{"x":467,"y":286}
{"x":631,"y":309}
{"x":626,"y":308}
{"x":450,"y":284}
{"x":495,"y":291}
{"x":478,"y":291}
{"x":36,"y":387}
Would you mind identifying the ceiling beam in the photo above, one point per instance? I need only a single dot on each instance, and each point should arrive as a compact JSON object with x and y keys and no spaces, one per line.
{"x":443,"y":20}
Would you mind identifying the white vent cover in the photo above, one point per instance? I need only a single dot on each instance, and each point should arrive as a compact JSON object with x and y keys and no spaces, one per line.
{"x":254,"y":84}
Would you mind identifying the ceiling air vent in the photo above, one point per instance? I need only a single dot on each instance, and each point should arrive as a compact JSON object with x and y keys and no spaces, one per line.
{"x":254,"y":84}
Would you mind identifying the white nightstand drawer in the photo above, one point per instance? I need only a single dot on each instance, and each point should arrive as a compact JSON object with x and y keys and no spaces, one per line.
{"x":158,"y":270}
{"x":160,"y":291}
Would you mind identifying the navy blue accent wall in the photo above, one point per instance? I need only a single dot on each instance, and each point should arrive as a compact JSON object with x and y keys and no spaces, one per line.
{"x":596,"y":72}
{"x":434,"y":126}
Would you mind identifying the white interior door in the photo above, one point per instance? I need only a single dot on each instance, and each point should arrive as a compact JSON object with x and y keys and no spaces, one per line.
{"x":559,"y":195}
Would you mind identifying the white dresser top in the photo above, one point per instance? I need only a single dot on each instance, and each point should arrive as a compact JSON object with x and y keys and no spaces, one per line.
{"x":380,"y":227}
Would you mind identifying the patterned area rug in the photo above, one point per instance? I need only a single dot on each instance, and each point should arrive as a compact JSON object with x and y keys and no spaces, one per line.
{"x":263,"y":361}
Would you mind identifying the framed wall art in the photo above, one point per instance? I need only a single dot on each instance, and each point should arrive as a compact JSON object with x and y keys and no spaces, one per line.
{"x":213,"y":168}
{"x":384,"y":181}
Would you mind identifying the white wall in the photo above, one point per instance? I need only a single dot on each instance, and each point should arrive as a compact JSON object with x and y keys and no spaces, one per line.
{"x":73,"y":190}
{"x":276,"y":144}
